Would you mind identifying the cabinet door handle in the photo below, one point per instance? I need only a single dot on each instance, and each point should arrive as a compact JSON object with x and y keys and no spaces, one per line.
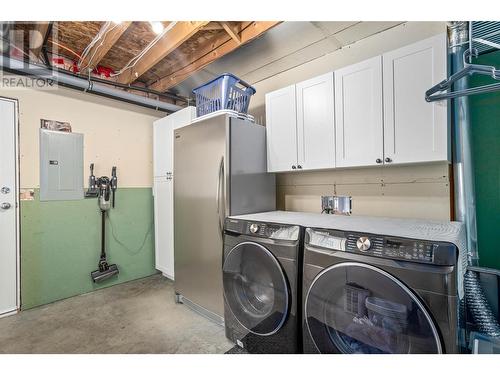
{"x":294,"y":167}
{"x":378,"y":161}
{"x":388,"y":160}
{"x":299,"y":166}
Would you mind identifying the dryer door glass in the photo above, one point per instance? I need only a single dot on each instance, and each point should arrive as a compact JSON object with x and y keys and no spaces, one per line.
{"x":358,"y":308}
{"x":255,"y":288}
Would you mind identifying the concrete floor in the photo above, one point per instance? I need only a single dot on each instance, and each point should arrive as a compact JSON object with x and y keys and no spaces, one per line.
{"x":136,"y":317}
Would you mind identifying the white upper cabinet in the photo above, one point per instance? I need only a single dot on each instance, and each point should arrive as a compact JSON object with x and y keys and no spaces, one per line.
{"x":414,"y":130}
{"x":315,"y":123}
{"x":370,"y":113}
{"x":359,"y":114}
{"x":281,"y":130}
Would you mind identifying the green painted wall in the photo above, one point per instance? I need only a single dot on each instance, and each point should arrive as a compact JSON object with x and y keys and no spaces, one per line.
{"x":485,"y":122}
{"x":60,"y":244}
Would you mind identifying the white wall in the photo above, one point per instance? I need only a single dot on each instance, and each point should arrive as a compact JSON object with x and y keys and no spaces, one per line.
{"x":417,"y":191}
{"x":115,"y":133}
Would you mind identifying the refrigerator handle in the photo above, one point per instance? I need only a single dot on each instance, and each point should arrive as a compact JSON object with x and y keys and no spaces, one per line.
{"x":220,"y":211}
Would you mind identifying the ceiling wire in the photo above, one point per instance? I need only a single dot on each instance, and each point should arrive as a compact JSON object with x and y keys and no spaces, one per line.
{"x":94,"y":40}
{"x":103,"y":32}
{"x":136,"y":59}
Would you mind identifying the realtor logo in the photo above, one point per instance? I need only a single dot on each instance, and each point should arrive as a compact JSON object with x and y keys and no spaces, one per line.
{"x":24,"y":56}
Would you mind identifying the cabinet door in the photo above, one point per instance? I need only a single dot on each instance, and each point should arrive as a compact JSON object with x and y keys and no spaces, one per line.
{"x":315,"y":123}
{"x":358,"y":114}
{"x":162,"y":147}
{"x":414,"y":130}
{"x":281,"y":129}
{"x":164,"y":226}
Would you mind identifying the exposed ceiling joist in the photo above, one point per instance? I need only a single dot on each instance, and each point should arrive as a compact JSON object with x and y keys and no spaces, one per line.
{"x":37,"y":37}
{"x":233,"y":34}
{"x":172,"y":39}
{"x":100,"y":49}
{"x":212,"y":26}
{"x":203,"y":49}
{"x":203,"y":57}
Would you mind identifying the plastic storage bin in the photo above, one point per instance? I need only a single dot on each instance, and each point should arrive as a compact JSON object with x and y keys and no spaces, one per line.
{"x":224,"y":92}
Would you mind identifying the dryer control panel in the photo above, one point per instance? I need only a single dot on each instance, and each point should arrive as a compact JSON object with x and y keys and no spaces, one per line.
{"x":264,"y":230}
{"x":407,"y":249}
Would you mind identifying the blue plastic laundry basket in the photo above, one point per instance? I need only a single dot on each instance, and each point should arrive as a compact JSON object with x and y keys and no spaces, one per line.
{"x":224,"y":92}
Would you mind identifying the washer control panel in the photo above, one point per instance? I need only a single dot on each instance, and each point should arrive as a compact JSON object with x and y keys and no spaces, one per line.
{"x":405,"y":249}
{"x":393,"y":247}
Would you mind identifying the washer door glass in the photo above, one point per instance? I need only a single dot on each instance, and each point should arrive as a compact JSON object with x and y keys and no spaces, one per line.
{"x":255,"y":288}
{"x":358,"y":308}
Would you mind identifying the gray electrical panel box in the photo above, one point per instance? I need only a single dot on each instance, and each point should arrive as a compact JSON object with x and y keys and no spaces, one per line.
{"x":61,"y":165}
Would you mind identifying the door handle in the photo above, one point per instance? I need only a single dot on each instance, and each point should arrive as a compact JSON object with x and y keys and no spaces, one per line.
{"x":5,"y":206}
{"x":388,"y":160}
{"x":220,"y":189}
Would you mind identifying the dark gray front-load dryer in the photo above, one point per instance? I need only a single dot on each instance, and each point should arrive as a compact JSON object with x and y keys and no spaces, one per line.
{"x":369,"y":293}
{"x":261,"y":277}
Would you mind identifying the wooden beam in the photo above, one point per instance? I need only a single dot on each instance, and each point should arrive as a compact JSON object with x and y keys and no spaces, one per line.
{"x":252,"y":31}
{"x":101,"y":48}
{"x":36,"y":38}
{"x":231,"y":32}
{"x":203,"y":49}
{"x":212,"y":26}
{"x":172,"y":39}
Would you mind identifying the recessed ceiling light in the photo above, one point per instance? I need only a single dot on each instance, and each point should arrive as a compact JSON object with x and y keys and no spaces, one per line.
{"x":157,"y":27}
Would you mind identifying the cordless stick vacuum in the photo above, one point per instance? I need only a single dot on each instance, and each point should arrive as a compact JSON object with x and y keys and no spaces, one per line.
{"x":106,"y":189}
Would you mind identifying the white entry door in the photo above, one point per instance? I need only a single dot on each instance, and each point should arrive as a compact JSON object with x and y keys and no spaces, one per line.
{"x":9,"y":301}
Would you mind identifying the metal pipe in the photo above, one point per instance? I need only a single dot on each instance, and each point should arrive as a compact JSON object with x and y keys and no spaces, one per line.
{"x":463,"y":167}
{"x":124,"y":86}
{"x":135,"y":88}
{"x":24,"y":68}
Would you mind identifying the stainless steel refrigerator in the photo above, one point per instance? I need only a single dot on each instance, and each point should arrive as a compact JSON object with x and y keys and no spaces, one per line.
{"x":220,"y":169}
